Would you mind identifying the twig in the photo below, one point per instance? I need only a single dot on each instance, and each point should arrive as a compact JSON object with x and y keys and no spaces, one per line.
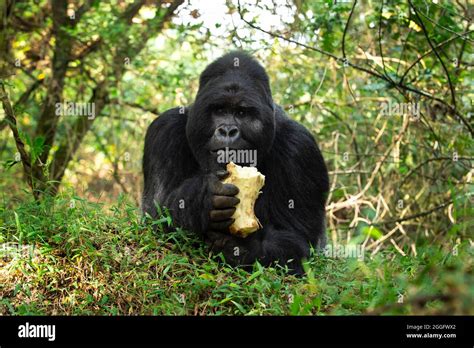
{"x":346,"y":28}
{"x":414,"y":216}
{"x":442,"y":27}
{"x":380,"y":42}
{"x":354,"y":140}
{"x":425,"y":32}
{"x":153,"y":111}
{"x":411,"y":172}
{"x":403,"y":50}
{"x":26,"y":95}
{"x":348,"y":172}
{"x":351,"y":201}
{"x":461,"y":52}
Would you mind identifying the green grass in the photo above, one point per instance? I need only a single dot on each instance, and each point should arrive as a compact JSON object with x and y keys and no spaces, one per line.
{"x":90,"y":259}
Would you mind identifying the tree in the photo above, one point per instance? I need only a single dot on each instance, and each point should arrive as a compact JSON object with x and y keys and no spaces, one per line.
{"x":72,"y":57}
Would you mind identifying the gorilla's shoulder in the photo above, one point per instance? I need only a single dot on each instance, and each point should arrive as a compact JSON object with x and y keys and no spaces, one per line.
{"x":167,"y":131}
{"x":288,"y":128}
{"x":170,"y":118}
{"x":294,"y":142}
{"x":172,"y":121}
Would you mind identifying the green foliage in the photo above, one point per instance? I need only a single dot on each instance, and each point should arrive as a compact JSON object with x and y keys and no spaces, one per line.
{"x":90,"y":260}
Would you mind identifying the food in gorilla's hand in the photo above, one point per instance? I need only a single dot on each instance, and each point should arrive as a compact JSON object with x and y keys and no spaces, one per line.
{"x":249,"y":181}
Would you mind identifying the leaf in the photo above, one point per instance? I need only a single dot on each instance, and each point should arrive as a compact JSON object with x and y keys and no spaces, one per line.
{"x":206,"y":276}
{"x":239,"y":306}
{"x":372,"y":231}
{"x":104,"y":299}
{"x":254,"y":275}
{"x":414,"y":26}
{"x":227,"y":299}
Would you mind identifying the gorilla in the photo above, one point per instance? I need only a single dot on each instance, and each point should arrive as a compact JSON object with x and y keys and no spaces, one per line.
{"x":234,"y":110}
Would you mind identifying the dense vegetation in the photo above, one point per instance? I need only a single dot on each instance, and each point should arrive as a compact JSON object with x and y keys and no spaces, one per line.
{"x":385,"y":86}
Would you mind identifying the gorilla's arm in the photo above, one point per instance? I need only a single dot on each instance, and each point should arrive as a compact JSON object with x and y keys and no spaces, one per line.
{"x":291,"y":207}
{"x":172,"y":176}
{"x":173,"y":179}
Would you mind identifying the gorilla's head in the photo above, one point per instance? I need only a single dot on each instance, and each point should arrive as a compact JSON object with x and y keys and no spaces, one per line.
{"x":233,"y":110}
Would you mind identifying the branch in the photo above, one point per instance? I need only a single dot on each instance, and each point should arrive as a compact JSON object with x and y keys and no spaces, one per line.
{"x":411,"y":172}
{"x":414,"y":216}
{"x":357,"y":67}
{"x":94,"y":46}
{"x":440,"y":26}
{"x":380,"y":42}
{"x":451,"y":87}
{"x":425,"y":32}
{"x":26,"y":95}
{"x":83,"y":9}
{"x":20,"y":145}
{"x":346,"y":28}
{"x":47,"y":123}
{"x":153,"y":111}
{"x":68,"y":147}
{"x":353,"y":135}
{"x":461,"y":52}
{"x":429,"y":52}
{"x":405,"y":44}
{"x":335,"y":206}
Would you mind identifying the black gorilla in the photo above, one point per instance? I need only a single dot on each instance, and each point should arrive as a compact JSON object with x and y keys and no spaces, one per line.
{"x":234,"y":110}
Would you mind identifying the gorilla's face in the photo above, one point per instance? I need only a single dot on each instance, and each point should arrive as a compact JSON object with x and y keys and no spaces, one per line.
{"x":232,"y":116}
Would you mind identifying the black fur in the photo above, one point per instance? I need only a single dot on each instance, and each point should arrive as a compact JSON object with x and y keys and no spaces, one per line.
{"x":179,"y":169}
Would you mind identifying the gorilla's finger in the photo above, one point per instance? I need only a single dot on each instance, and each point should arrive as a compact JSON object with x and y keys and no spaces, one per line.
{"x":223,"y":202}
{"x":216,"y":239}
{"x":226,"y":190}
{"x":221,"y":215}
{"x":221,"y":225}
{"x":222,"y":174}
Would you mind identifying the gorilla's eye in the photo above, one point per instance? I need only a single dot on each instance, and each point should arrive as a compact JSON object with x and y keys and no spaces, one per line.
{"x":241,"y":112}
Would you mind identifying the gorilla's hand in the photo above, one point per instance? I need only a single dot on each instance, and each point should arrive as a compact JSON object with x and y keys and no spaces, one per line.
{"x":223,"y":202}
{"x":237,"y":251}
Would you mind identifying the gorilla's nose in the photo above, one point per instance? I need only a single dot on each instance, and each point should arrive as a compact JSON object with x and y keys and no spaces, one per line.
{"x":227,"y":133}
